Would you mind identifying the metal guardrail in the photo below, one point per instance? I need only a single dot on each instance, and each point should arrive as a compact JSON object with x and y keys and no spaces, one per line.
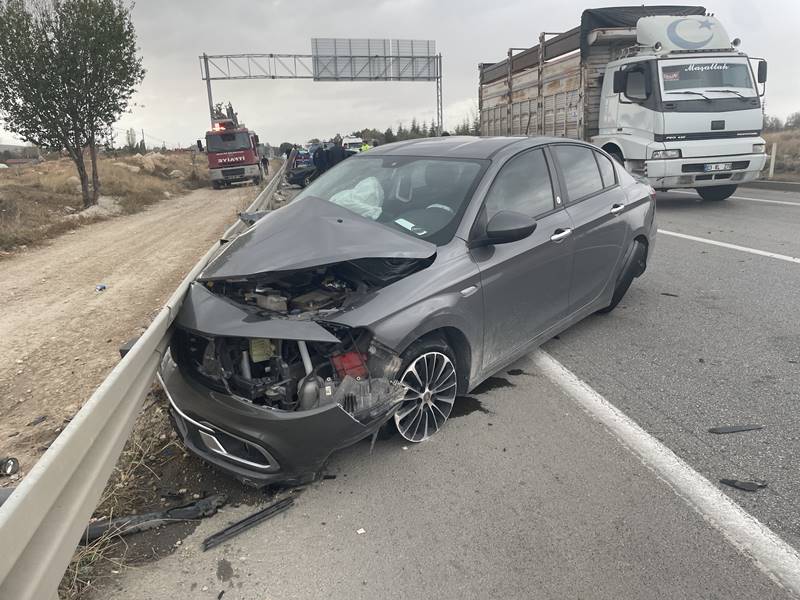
{"x":42,"y":521}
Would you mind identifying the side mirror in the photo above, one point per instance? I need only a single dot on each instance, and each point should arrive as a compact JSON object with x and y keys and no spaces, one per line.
{"x":199,"y":145}
{"x":762,"y":71}
{"x":620,"y":81}
{"x":505,"y":227}
{"x":255,"y":139}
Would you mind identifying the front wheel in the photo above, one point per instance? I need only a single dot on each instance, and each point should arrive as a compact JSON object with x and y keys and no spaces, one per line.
{"x":716,"y":192}
{"x":429,"y":374}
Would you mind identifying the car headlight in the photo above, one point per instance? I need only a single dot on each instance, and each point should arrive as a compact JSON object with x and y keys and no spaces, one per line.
{"x":759,"y":148}
{"x":666,"y":153}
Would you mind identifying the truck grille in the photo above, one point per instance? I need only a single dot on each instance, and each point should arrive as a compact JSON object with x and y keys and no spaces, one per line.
{"x":701,"y":167}
{"x":233,"y":172}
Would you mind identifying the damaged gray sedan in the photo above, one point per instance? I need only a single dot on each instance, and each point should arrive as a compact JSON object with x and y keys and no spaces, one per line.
{"x":395,"y":282}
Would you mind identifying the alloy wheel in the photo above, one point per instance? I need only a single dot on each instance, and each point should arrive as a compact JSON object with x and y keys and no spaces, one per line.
{"x":430,"y":382}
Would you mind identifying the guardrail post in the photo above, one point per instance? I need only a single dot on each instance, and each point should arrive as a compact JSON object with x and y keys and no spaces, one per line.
{"x":772,"y":159}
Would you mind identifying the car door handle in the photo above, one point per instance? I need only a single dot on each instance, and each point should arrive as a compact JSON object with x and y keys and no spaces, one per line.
{"x":560,"y":234}
{"x":617,"y":208}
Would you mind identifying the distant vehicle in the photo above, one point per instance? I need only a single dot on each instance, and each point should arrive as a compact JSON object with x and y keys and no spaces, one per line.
{"x":663,"y":89}
{"x":399,"y":280}
{"x":302,"y":158}
{"x":234,"y":152}
{"x":302,"y":176}
{"x":352,"y":143}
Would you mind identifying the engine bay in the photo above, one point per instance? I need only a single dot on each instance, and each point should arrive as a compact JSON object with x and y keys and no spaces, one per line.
{"x":358,"y":374}
{"x":317,"y":291}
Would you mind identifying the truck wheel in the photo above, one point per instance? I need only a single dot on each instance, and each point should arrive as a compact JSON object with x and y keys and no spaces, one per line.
{"x":716,"y":192}
{"x":215,"y":185}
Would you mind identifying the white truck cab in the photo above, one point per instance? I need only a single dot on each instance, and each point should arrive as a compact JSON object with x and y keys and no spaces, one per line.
{"x":683,"y":108}
{"x":661,"y":88}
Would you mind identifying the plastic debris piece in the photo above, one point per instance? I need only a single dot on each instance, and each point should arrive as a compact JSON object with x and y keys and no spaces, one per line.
{"x":235,"y":529}
{"x":100,"y":287}
{"x":747,"y":486}
{"x":9,"y":466}
{"x":205,"y":507}
{"x":735,"y":428}
{"x":361,"y":531}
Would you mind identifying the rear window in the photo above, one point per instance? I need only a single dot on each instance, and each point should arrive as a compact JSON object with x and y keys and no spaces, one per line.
{"x":581,"y":174}
{"x":607,"y":170}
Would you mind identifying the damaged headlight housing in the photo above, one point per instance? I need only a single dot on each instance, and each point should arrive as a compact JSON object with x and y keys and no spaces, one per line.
{"x":759,"y":148}
{"x":658,"y":154}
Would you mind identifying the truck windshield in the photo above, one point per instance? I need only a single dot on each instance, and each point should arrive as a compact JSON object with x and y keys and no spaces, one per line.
{"x":227,"y":142}
{"x":707,"y":76}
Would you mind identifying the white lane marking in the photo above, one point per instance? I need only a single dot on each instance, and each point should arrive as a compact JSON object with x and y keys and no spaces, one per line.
{"x":784,"y":202}
{"x":770,"y":553}
{"x":792,"y":259}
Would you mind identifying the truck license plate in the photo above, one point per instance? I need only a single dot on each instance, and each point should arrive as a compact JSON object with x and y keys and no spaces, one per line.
{"x":718,"y":167}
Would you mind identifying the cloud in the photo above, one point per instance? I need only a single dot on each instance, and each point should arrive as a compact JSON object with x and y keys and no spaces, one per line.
{"x":172,"y":103}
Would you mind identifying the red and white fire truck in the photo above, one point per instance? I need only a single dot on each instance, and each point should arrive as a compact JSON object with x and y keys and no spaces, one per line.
{"x":233,"y":150}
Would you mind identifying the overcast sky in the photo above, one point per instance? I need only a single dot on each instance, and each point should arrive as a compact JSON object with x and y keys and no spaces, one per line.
{"x":172,"y":104}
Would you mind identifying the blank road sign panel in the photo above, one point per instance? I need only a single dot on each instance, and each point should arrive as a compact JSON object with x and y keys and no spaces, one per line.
{"x":349,"y":59}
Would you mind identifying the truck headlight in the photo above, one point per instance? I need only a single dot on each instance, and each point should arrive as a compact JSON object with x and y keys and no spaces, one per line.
{"x":759,"y":148}
{"x":666,"y":154}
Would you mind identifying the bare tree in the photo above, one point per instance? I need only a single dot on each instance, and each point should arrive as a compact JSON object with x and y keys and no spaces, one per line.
{"x":67,"y":72}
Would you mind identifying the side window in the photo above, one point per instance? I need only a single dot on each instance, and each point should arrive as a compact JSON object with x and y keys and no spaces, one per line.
{"x":607,"y":170}
{"x":523,"y":185}
{"x":580,"y":170}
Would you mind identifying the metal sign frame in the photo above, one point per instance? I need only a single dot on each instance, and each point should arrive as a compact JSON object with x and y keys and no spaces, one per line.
{"x":394,"y":60}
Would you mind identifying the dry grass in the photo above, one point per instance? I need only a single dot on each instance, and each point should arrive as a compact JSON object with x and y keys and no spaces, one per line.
{"x":787,"y":159}
{"x":40,"y":201}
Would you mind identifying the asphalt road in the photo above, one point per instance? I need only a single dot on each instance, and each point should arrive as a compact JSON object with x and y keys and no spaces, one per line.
{"x":524,"y":495}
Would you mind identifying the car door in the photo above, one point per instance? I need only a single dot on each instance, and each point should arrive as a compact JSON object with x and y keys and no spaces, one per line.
{"x":594,"y":201}
{"x":525,"y":283}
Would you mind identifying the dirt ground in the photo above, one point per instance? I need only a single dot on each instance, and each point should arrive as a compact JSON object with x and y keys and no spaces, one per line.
{"x":60,"y":337}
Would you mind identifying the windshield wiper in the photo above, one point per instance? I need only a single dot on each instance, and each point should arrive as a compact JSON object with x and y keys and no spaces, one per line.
{"x":742,"y":96}
{"x":693,"y":93}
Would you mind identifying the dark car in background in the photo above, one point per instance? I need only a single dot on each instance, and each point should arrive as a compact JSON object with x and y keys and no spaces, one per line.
{"x":397,"y":281}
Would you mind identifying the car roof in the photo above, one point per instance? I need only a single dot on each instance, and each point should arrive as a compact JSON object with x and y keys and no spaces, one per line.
{"x":462,"y":146}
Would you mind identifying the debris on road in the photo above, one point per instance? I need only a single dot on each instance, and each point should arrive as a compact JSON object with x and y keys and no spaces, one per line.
{"x":235,"y":529}
{"x":735,"y":428}
{"x":205,"y":507}
{"x":38,"y":420}
{"x":361,"y":531}
{"x":747,"y":486}
{"x":100,"y":287}
{"x":670,"y":294}
{"x":8,"y":466}
{"x":249,"y":218}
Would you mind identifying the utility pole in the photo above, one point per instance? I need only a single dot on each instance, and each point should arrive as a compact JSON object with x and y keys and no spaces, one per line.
{"x":144,"y":144}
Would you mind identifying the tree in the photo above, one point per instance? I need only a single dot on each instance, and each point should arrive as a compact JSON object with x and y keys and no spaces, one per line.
{"x":314,"y":141}
{"x":772,"y":123}
{"x":388,"y":136}
{"x":68,"y":69}
{"x":793,"y":121}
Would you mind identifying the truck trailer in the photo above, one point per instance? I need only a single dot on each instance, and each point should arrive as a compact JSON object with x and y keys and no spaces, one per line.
{"x":663,"y":89}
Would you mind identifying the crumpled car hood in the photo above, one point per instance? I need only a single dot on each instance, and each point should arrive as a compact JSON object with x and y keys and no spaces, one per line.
{"x":207,"y":313}
{"x":310,"y":233}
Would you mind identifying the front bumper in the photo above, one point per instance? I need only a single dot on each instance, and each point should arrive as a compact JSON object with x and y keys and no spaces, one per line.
{"x":690,"y":172}
{"x":257,"y":445}
{"x":235,"y":173}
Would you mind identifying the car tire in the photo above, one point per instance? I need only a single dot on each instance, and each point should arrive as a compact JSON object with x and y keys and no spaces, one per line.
{"x":215,"y":185}
{"x":634,"y":266}
{"x":716,"y":193}
{"x":429,"y":371}
{"x":306,"y":181}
